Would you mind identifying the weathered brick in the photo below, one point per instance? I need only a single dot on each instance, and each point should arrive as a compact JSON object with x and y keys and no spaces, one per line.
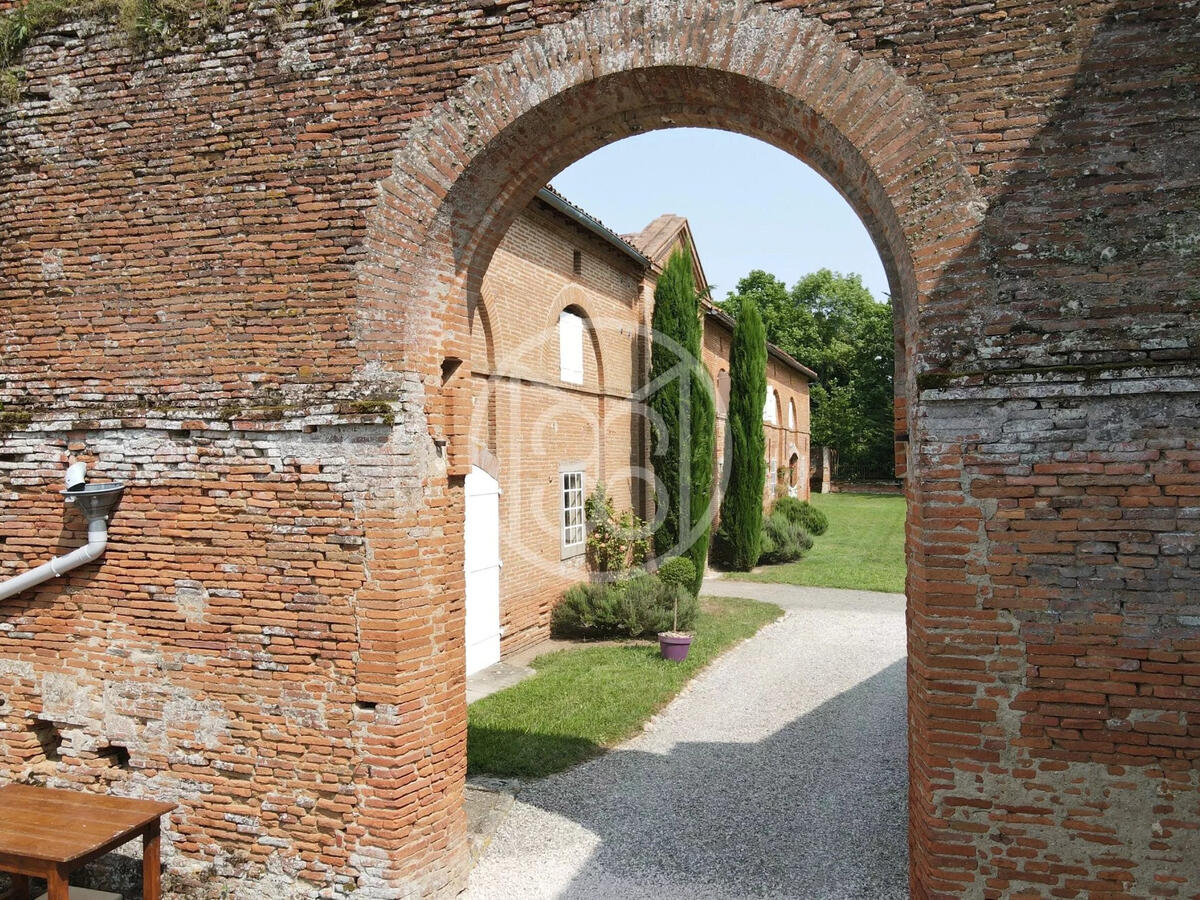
{"x":214,"y":255}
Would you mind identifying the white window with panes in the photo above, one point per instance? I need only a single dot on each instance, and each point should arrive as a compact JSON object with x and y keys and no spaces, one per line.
{"x":574,"y":524}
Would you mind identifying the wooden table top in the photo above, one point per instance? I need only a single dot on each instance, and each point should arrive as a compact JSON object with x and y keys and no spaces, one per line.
{"x":63,"y":826}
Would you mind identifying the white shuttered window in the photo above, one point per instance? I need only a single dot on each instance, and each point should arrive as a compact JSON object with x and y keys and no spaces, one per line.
{"x":769,"y":408}
{"x":570,"y":347}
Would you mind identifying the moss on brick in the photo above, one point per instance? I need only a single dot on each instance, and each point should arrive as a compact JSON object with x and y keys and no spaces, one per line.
{"x":934,"y":381}
{"x":12,"y":419}
{"x":10,"y":84}
{"x":147,"y":23}
{"x":370,"y":406}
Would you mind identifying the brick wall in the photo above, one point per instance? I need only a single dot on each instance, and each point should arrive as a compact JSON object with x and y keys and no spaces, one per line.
{"x":541,"y":423}
{"x":238,"y":275}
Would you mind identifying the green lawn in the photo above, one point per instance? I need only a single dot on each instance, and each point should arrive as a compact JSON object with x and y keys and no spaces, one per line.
{"x":583,"y":701}
{"x":863,"y":548}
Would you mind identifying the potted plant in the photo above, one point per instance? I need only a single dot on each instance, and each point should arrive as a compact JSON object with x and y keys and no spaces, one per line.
{"x":677,"y":575}
{"x":674,"y":645}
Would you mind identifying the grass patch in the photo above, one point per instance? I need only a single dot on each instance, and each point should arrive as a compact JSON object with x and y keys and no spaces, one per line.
{"x":863,"y":548}
{"x":581,"y":702}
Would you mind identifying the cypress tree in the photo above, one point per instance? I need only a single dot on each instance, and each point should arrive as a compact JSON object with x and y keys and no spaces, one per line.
{"x":740,"y":530}
{"x":703,"y":433}
{"x":683,"y":405}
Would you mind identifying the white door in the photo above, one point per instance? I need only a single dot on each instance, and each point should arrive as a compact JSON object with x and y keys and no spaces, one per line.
{"x":482,"y":564}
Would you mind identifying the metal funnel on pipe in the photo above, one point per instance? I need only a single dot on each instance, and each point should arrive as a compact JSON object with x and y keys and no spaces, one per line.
{"x":96,"y":502}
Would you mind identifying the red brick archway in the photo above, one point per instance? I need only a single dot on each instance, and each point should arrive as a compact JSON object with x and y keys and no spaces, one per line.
{"x":469,"y":168}
{"x":251,"y":307}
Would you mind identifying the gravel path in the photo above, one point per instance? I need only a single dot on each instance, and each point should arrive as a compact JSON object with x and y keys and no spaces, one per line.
{"x":779,"y":772}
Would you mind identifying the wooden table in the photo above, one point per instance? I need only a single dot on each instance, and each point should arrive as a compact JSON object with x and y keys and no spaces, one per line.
{"x":49,"y":834}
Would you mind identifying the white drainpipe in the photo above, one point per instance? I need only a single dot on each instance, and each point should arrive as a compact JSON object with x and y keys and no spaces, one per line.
{"x":95,"y":501}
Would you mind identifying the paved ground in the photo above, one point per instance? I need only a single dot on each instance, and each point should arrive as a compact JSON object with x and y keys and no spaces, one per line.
{"x":779,"y":772}
{"x":516,"y":667}
{"x":496,"y":678}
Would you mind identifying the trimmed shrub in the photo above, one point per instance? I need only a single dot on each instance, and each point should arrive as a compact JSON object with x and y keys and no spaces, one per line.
{"x":689,"y":610}
{"x":806,"y":542}
{"x":813,"y":520}
{"x":639,"y":606}
{"x":782,"y":540}
{"x":678,"y":570}
{"x":588,"y":610}
{"x":649,"y":604}
{"x":740,"y":531}
{"x":767,"y":549}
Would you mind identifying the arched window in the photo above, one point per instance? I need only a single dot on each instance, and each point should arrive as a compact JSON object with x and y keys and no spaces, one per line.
{"x":791,"y":415}
{"x":570,"y":347}
{"x":722,"y":392}
{"x":771,"y":407}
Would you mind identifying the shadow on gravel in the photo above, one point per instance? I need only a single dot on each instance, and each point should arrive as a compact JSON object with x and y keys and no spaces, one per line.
{"x":817,"y":810}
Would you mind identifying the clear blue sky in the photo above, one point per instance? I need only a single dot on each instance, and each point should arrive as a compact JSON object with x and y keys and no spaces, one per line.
{"x":750,"y":206}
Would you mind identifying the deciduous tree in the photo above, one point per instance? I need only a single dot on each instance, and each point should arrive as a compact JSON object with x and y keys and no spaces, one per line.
{"x":831,"y":323}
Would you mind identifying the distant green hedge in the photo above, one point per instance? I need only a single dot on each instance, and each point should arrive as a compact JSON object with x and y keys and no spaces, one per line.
{"x":802,"y":513}
{"x":782,"y":540}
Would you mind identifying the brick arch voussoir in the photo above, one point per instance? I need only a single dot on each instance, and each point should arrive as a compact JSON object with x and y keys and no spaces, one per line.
{"x":878,"y":116}
{"x":481,"y":315}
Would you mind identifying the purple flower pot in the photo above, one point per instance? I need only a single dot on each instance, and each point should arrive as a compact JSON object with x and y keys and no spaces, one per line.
{"x":674,"y":646}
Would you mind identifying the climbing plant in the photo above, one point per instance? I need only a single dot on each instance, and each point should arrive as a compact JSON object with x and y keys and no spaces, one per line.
{"x":616,"y":539}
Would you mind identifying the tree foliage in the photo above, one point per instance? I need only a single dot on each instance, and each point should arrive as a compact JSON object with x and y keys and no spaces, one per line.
{"x":683,"y":406}
{"x":703,"y":432}
{"x":739,"y":535}
{"x":832,"y":324}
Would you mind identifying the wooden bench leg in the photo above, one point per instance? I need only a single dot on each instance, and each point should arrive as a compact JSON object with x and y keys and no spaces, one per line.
{"x":20,"y":887}
{"x":151,"y":864}
{"x":57,"y":884}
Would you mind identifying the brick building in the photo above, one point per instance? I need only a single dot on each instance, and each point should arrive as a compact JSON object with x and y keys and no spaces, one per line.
{"x":237,"y":271}
{"x":559,"y":356}
{"x":556,"y":357}
{"x":785,"y":410}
